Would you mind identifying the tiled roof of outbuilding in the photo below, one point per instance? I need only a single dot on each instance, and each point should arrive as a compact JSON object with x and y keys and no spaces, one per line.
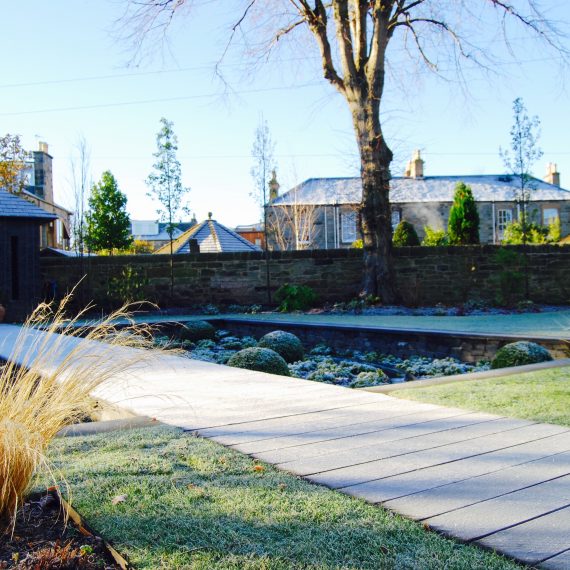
{"x":212,"y":237}
{"x":12,"y":206}
{"x":486,"y":188}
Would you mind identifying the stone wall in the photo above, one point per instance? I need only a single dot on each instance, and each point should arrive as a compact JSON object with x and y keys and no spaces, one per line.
{"x":424,"y":275}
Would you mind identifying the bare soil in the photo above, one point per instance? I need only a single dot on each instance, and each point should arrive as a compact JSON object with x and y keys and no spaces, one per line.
{"x":42,"y":540}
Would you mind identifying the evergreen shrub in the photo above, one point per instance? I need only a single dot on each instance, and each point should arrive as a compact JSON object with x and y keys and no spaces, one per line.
{"x":283,"y":343}
{"x":260,"y":359}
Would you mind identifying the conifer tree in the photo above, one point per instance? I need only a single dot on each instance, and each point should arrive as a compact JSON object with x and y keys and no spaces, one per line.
{"x":463,"y":224}
{"x":108,"y":223}
{"x":405,"y":235}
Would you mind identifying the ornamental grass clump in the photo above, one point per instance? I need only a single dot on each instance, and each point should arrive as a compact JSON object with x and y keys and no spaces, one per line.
{"x":47,"y":384}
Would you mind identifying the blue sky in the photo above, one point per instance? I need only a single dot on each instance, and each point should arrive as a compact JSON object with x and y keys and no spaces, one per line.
{"x":66,"y":74}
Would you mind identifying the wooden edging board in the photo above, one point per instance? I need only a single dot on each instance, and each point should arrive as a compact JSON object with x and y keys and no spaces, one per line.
{"x":473,"y":376}
{"x":86,"y":530}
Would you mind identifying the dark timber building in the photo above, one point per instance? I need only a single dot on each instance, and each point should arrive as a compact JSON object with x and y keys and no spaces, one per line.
{"x":20,"y":281}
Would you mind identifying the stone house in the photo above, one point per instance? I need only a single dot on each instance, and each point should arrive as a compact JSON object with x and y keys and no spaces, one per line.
{"x":20,"y":279}
{"x":39,"y":190}
{"x":327,"y":208}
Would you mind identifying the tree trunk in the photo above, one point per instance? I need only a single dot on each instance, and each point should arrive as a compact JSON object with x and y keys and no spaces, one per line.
{"x":375,"y":211}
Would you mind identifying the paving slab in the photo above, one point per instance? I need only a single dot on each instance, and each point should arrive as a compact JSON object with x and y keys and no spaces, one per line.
{"x":559,"y":562}
{"x":338,"y":439}
{"x":404,"y":441}
{"x":436,"y":455}
{"x":267,"y":434}
{"x":432,"y":491}
{"x":547,"y":534}
{"x":487,"y":517}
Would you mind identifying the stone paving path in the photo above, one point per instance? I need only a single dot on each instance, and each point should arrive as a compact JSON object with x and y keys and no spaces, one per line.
{"x":498,"y":482}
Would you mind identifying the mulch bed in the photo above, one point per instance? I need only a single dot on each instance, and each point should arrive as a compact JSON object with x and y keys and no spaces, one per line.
{"x":43,"y":540}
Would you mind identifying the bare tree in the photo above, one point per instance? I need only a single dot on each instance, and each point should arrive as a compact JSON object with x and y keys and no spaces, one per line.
{"x":79,"y":166}
{"x":352,"y":37}
{"x":261,"y":170}
{"x":292,"y":226}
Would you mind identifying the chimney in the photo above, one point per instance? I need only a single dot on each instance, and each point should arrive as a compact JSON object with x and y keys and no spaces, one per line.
{"x":552,"y":174}
{"x":43,"y":147}
{"x":273,"y":187}
{"x":416,"y":166}
{"x":408,"y":171}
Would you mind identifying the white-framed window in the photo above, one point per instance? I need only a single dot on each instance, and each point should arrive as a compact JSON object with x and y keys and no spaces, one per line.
{"x":504,"y":218}
{"x":258,"y":242}
{"x":396,"y":217}
{"x":550,"y":216}
{"x":348,"y":227}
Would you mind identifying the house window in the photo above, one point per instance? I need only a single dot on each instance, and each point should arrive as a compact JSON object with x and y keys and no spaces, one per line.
{"x":549,"y":216}
{"x":504,"y":218}
{"x":348,"y":227}
{"x":395,"y":218}
{"x":258,"y":242}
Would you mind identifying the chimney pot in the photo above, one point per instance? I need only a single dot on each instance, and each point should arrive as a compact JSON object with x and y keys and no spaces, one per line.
{"x":417,"y":165}
{"x":43,"y":147}
{"x":552,"y":174}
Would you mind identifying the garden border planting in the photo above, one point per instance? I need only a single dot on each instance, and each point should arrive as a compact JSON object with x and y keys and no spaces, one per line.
{"x":468,"y":347}
{"x":471,"y":376}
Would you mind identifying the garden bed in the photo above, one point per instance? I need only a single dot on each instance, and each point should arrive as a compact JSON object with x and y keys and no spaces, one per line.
{"x":343,"y":367}
{"x":43,"y":539}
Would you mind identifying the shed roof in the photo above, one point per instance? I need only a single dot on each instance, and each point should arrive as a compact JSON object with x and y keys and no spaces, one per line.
{"x":486,"y":188}
{"x":212,"y":237}
{"x":12,"y":206}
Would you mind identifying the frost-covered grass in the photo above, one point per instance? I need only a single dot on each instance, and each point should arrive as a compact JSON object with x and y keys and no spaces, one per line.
{"x":350,"y":368}
{"x":189,"y":503}
{"x":540,"y":396}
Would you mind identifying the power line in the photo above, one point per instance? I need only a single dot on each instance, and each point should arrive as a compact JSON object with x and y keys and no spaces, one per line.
{"x":161,"y":100}
{"x":208,"y":66}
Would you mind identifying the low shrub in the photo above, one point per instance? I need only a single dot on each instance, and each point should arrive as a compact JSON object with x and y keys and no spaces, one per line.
{"x":260,"y":359}
{"x":197,"y":330}
{"x":434,"y":237}
{"x":367,"y":379}
{"x":295,"y":297}
{"x":285,"y":344}
{"x":520,"y":353}
{"x":405,"y":235}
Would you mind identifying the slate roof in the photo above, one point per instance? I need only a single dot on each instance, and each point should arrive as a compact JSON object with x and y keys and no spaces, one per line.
{"x":12,"y":206}
{"x":486,"y":188}
{"x":162,"y":234}
{"x":212,"y":237}
{"x":56,"y":252}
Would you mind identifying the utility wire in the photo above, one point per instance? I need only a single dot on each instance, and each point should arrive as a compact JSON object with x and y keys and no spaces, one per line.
{"x":160,"y":100}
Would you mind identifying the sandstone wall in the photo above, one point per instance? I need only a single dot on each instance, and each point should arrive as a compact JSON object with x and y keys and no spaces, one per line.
{"x":424,"y":275}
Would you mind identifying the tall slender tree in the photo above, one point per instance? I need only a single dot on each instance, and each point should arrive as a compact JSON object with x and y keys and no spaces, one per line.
{"x":165,"y":184}
{"x":519,"y":159}
{"x":261,"y":173}
{"x":108,"y":223}
{"x":353,"y":37}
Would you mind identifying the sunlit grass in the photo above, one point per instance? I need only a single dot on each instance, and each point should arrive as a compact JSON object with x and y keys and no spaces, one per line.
{"x":542,"y":396}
